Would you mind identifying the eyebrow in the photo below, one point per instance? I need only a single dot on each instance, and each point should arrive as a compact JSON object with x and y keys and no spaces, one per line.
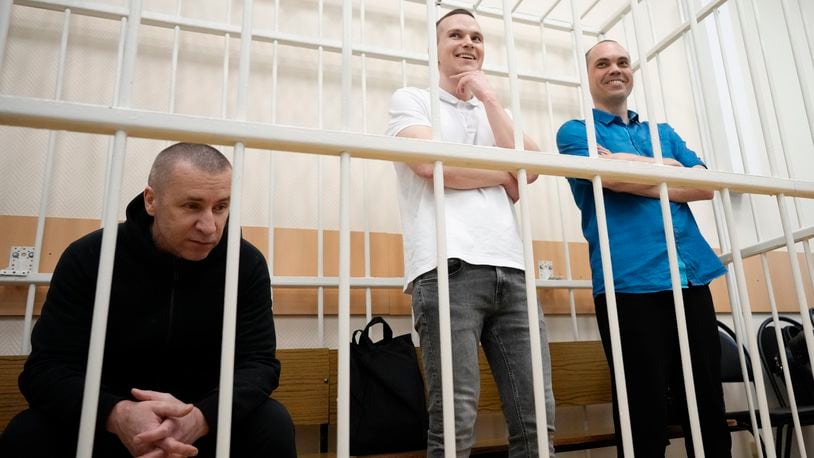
{"x":464,"y":31}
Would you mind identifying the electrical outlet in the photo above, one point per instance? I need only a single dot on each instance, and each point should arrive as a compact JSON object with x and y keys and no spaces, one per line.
{"x":20,"y":261}
{"x":545,"y":269}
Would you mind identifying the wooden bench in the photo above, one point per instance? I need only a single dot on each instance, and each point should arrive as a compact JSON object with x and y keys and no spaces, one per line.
{"x":303,"y":386}
{"x":308,"y":389}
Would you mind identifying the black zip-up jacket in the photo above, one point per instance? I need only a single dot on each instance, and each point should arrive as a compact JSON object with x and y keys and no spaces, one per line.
{"x":164,"y":327}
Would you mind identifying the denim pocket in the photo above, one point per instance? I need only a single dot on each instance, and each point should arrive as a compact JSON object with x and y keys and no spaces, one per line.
{"x":454,"y":266}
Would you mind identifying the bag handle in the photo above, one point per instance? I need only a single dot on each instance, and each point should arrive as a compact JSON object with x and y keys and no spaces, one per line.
{"x":364,"y":335}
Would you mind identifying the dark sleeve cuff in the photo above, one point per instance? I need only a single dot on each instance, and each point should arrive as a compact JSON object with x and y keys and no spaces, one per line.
{"x":209,"y":408}
{"x":106,"y":403}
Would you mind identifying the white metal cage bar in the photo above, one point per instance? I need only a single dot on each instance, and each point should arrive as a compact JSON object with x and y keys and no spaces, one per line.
{"x":123,"y":122}
{"x":101,"y":304}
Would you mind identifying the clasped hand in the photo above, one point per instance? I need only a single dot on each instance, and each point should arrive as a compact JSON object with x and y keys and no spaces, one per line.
{"x":157,"y":425}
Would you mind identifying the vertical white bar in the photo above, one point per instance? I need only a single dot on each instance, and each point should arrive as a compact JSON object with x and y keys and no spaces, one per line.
{"x":227,"y":362}
{"x":672,"y":254}
{"x":401,"y":40}
{"x":365,"y":163}
{"x":343,"y":371}
{"x":343,"y":380}
{"x":659,"y":73}
{"x":566,"y":251}
{"x":443,"y":312}
{"x":46,"y":189}
{"x":761,"y":108}
{"x":604,"y":243}
{"x":432,"y":68}
{"x":806,"y":28}
{"x":795,"y":274}
{"x":318,"y":161}
{"x":534,"y":317}
{"x":441,"y":245}
{"x":174,"y":62}
{"x":746,"y":314}
{"x":272,"y":181}
{"x":800,"y":60}
{"x":224,"y":94}
{"x":5,"y":20}
{"x":413,"y":331}
{"x":531,"y":290}
{"x":514,"y":88}
{"x":763,"y":257}
{"x":101,"y":303}
{"x":764,"y":263}
{"x":116,"y":85}
{"x":702,"y":115}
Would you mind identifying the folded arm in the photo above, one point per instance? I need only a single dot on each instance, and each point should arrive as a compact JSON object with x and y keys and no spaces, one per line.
{"x":461,"y":177}
{"x":676,"y":194}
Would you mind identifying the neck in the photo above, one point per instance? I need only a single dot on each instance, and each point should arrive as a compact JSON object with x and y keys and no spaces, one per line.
{"x":619,"y":109}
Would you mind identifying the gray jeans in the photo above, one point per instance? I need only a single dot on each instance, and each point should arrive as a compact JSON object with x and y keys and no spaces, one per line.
{"x":487,"y":305}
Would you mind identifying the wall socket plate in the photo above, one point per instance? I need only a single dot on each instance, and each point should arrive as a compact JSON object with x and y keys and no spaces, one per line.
{"x":545,"y":269}
{"x":20,"y":261}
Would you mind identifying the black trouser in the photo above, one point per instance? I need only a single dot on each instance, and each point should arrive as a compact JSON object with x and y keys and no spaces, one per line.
{"x":653,"y":372}
{"x":267,"y":432}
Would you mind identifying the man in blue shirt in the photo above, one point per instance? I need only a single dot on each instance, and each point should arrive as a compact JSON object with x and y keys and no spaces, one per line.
{"x":641,"y":271}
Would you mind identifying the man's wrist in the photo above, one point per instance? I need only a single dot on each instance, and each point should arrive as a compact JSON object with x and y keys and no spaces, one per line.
{"x":202,"y":427}
{"x":116,"y":412}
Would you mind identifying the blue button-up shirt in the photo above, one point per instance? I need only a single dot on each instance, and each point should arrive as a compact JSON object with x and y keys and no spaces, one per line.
{"x":637,"y":243}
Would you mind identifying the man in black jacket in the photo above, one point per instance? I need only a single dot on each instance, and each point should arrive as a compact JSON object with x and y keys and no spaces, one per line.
{"x":160,"y":376}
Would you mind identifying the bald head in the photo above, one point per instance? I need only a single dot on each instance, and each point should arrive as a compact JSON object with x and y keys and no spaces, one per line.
{"x":202,"y":157}
{"x":600,"y":44}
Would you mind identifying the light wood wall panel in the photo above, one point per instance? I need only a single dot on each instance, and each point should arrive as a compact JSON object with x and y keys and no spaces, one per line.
{"x":296,"y":255}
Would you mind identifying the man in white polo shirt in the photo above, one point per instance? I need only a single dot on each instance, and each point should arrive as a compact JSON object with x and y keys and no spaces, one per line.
{"x":485,"y":254}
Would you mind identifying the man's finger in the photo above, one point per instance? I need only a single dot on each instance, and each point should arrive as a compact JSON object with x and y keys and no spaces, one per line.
{"x":148,"y":395}
{"x":173,"y":446}
{"x":148,"y":437}
{"x":171,"y":409}
{"x":155,"y":453}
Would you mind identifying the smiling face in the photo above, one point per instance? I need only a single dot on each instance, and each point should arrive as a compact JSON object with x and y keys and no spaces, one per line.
{"x":189,"y":210}
{"x":460,"y":45}
{"x":610,"y":76}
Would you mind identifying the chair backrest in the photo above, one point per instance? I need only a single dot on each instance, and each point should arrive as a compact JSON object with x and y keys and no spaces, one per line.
{"x":730,"y":364}
{"x":800,"y":369}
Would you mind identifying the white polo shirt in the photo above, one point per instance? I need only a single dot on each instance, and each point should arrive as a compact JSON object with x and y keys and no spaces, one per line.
{"x":481,"y":225}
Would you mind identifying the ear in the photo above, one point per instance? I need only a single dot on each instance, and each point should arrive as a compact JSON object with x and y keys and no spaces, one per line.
{"x":149,"y":200}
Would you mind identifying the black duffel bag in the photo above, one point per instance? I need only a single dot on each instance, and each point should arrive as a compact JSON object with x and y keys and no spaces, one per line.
{"x":387,"y":403}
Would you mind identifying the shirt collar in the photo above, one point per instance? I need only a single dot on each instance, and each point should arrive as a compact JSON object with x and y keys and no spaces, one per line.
{"x":452,"y":100}
{"x":607,"y":118}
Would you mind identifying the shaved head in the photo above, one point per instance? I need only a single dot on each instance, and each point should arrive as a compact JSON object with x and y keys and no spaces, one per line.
{"x":202,"y":157}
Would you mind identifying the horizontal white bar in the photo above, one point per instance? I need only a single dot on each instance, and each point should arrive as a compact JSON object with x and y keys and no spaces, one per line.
{"x":766,"y":246}
{"x":279,"y":281}
{"x":30,"y":279}
{"x":97,"y":119}
{"x":705,"y":11}
{"x":98,"y":10}
{"x":170,"y":21}
{"x":521,"y":18}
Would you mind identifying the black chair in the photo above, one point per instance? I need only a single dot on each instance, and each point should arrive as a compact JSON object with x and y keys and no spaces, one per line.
{"x":731,"y":373}
{"x":780,"y":417}
{"x":799,"y":370}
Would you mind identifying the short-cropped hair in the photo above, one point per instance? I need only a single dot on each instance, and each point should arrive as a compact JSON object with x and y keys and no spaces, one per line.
{"x":202,"y":157}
